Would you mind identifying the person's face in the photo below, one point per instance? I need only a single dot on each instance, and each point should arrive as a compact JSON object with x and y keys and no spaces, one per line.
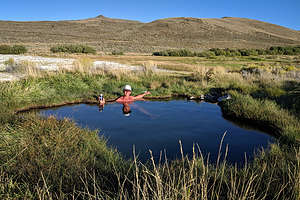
{"x":127,"y":93}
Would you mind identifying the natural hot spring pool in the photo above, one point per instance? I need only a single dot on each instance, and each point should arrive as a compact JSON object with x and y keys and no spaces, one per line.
{"x":159,"y":125}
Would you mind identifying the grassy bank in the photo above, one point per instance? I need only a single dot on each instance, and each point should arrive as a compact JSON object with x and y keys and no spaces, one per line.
{"x":51,"y":159}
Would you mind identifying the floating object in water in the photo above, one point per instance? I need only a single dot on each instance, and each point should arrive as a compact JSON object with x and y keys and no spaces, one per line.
{"x":201,"y":97}
{"x":225,"y":97}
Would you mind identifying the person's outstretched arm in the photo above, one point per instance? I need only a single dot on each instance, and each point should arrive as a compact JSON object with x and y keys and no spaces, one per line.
{"x":142,"y":95}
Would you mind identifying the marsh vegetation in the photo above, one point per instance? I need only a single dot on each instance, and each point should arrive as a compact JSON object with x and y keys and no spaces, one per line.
{"x":54,"y":159}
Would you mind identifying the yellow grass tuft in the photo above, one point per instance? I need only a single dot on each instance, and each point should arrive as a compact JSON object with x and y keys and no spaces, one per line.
{"x":10,"y":62}
{"x":83,"y":65}
{"x":29,"y":68}
{"x":149,"y":67}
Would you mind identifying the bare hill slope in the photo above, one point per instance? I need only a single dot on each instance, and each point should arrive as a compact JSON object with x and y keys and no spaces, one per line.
{"x":108,"y":34}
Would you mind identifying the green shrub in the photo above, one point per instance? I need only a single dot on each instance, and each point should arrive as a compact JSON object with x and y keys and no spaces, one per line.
{"x":218,"y":52}
{"x":261,"y":51}
{"x":19,"y":49}
{"x":5,"y":49}
{"x":288,"y":50}
{"x":234,"y":52}
{"x":72,"y":49}
{"x":156,"y":53}
{"x":173,"y":52}
{"x":117,"y":53}
{"x":231,"y":52}
{"x":207,"y":54}
{"x":244,"y":52}
{"x":16,"y":49}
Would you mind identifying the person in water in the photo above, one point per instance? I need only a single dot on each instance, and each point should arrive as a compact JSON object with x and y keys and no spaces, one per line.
{"x":126,"y":97}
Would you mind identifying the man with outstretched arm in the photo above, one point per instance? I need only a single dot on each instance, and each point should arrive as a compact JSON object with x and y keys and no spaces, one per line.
{"x":127,"y":96}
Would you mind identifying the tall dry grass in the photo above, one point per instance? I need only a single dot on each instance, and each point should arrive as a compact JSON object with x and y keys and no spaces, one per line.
{"x":204,"y":74}
{"x":196,"y":178}
{"x":29,"y":68}
{"x":83,"y":65}
{"x":148,"y":68}
{"x":25,"y":67}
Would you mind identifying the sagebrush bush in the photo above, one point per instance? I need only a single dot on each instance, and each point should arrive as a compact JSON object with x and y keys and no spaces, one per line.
{"x":231,"y":52}
{"x":19,"y":49}
{"x":78,"y":48}
{"x":16,"y":49}
{"x":117,"y":53}
{"x":175,"y":52}
{"x":206,"y":54}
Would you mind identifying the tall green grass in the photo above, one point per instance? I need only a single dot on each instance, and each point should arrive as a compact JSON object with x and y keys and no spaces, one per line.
{"x":264,"y":113}
{"x":54,"y":159}
{"x":91,"y":171}
{"x":38,"y":151}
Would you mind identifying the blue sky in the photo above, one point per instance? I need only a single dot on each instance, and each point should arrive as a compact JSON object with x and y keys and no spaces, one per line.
{"x":285,"y":13}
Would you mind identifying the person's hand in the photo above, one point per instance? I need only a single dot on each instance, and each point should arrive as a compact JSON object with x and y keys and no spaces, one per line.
{"x":147,"y":92}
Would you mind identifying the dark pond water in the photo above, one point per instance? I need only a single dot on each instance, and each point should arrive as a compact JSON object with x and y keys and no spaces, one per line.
{"x":159,"y":125}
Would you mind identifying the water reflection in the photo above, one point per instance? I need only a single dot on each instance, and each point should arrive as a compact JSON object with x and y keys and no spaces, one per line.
{"x":126,"y":109}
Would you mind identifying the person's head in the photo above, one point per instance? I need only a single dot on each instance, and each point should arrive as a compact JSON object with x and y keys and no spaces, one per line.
{"x":127,"y":90}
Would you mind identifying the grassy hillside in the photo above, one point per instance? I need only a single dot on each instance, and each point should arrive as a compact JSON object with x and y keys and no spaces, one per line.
{"x":107,"y":34}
